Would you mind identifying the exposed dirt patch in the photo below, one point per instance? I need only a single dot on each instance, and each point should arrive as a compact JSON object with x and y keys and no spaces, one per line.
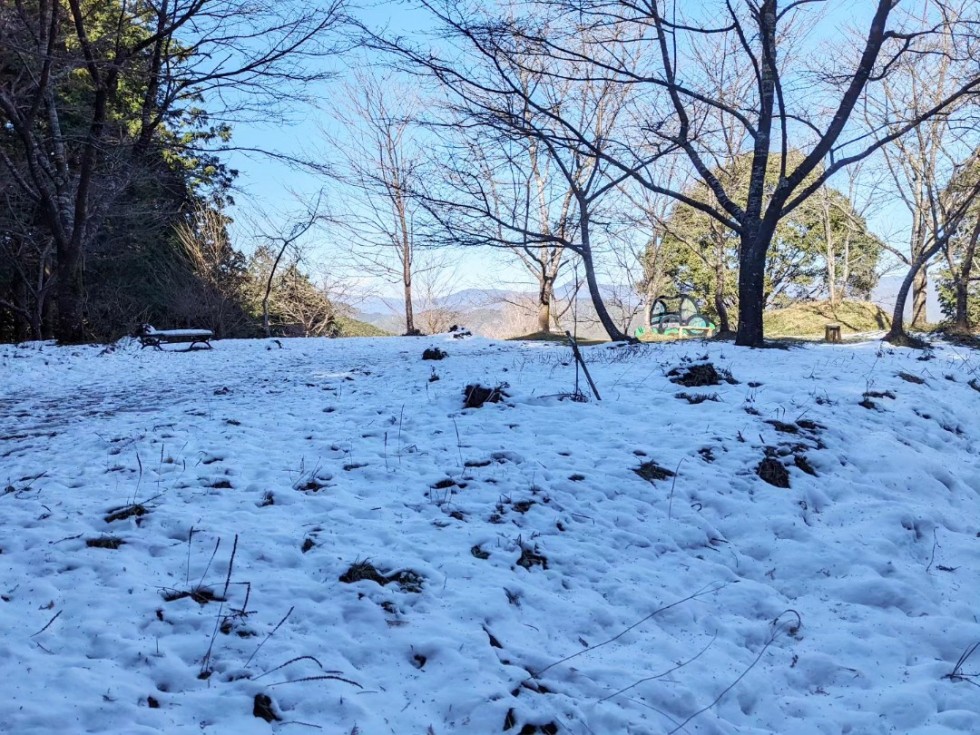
{"x":434,"y":353}
{"x":408,"y":580}
{"x":200,"y":595}
{"x":136,"y":510}
{"x":523,"y":506}
{"x":909,"y":378}
{"x":651,"y":471}
{"x":772,"y":471}
{"x":783,"y":427}
{"x":264,"y":709}
{"x":104,"y":542}
{"x":803,"y":463}
{"x":702,"y":374}
{"x":695,"y":398}
{"x":476,"y":395}
{"x":531,"y":557}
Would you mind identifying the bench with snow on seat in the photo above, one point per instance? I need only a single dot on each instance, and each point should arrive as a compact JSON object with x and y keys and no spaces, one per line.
{"x":149,"y":336}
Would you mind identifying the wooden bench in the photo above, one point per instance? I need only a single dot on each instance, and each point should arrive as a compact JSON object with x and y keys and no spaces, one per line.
{"x":151,"y":337}
{"x":831,"y":333}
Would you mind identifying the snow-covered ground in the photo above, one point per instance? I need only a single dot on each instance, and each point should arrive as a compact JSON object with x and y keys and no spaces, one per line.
{"x":546,"y":575}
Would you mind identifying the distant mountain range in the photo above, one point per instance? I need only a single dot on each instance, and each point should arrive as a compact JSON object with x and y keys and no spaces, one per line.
{"x":498,"y":313}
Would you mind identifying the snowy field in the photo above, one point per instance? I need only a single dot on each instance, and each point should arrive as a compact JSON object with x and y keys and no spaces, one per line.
{"x":319,"y":537}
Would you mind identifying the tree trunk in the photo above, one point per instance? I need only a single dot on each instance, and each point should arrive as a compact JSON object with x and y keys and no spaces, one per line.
{"x":544,"y":316}
{"x":724,"y":322}
{"x":410,"y":329}
{"x":897,"y":331}
{"x":961,"y":317}
{"x":600,"y":307}
{"x":751,"y":290}
{"x":71,"y":321}
{"x":920,"y":294}
{"x":832,"y":293}
{"x":829,"y":253}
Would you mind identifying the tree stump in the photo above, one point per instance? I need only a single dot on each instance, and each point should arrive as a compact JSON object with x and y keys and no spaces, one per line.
{"x":832,"y":333}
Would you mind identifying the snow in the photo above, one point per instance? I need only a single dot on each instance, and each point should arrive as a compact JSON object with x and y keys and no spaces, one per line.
{"x":710,"y":602}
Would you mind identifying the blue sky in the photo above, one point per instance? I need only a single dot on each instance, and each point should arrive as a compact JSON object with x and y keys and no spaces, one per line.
{"x":276,"y":192}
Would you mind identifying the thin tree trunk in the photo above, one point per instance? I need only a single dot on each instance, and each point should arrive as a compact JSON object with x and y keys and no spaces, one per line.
{"x":829,"y":252}
{"x":897,"y":332}
{"x":920,"y":295}
{"x":545,"y":297}
{"x":961,"y":317}
{"x":409,"y":309}
{"x":407,"y":253}
{"x":600,"y":307}
{"x":724,"y":321}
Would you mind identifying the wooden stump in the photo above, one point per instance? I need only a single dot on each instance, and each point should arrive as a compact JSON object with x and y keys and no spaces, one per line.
{"x":832,"y":333}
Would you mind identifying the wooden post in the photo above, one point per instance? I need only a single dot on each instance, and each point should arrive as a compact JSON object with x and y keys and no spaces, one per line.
{"x":832,"y":333}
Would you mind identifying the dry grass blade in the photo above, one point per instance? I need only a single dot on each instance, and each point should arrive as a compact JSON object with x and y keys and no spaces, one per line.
{"x":706,"y":590}
{"x":957,"y":673}
{"x":320,"y":677}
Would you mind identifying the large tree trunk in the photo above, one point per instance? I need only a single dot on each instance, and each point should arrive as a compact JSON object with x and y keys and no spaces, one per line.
{"x":71,"y":320}
{"x":751,"y":290}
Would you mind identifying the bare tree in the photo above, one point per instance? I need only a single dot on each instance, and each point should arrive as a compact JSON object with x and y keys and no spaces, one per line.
{"x":802,"y":97}
{"x":504,"y":91}
{"x":962,"y":261}
{"x":159,"y":58}
{"x":381,"y":164}
{"x":277,"y":246}
{"x":921,"y":166}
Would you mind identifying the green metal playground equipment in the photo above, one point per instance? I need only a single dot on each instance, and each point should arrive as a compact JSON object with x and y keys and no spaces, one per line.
{"x":676,"y":316}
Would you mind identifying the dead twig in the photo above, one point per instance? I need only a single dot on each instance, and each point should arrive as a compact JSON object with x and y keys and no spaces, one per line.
{"x":776,"y":629}
{"x":56,"y":616}
{"x":271,"y":633}
{"x":706,"y":590}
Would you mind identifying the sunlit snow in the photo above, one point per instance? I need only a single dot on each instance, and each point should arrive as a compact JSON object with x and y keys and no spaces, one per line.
{"x":544,"y":571}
